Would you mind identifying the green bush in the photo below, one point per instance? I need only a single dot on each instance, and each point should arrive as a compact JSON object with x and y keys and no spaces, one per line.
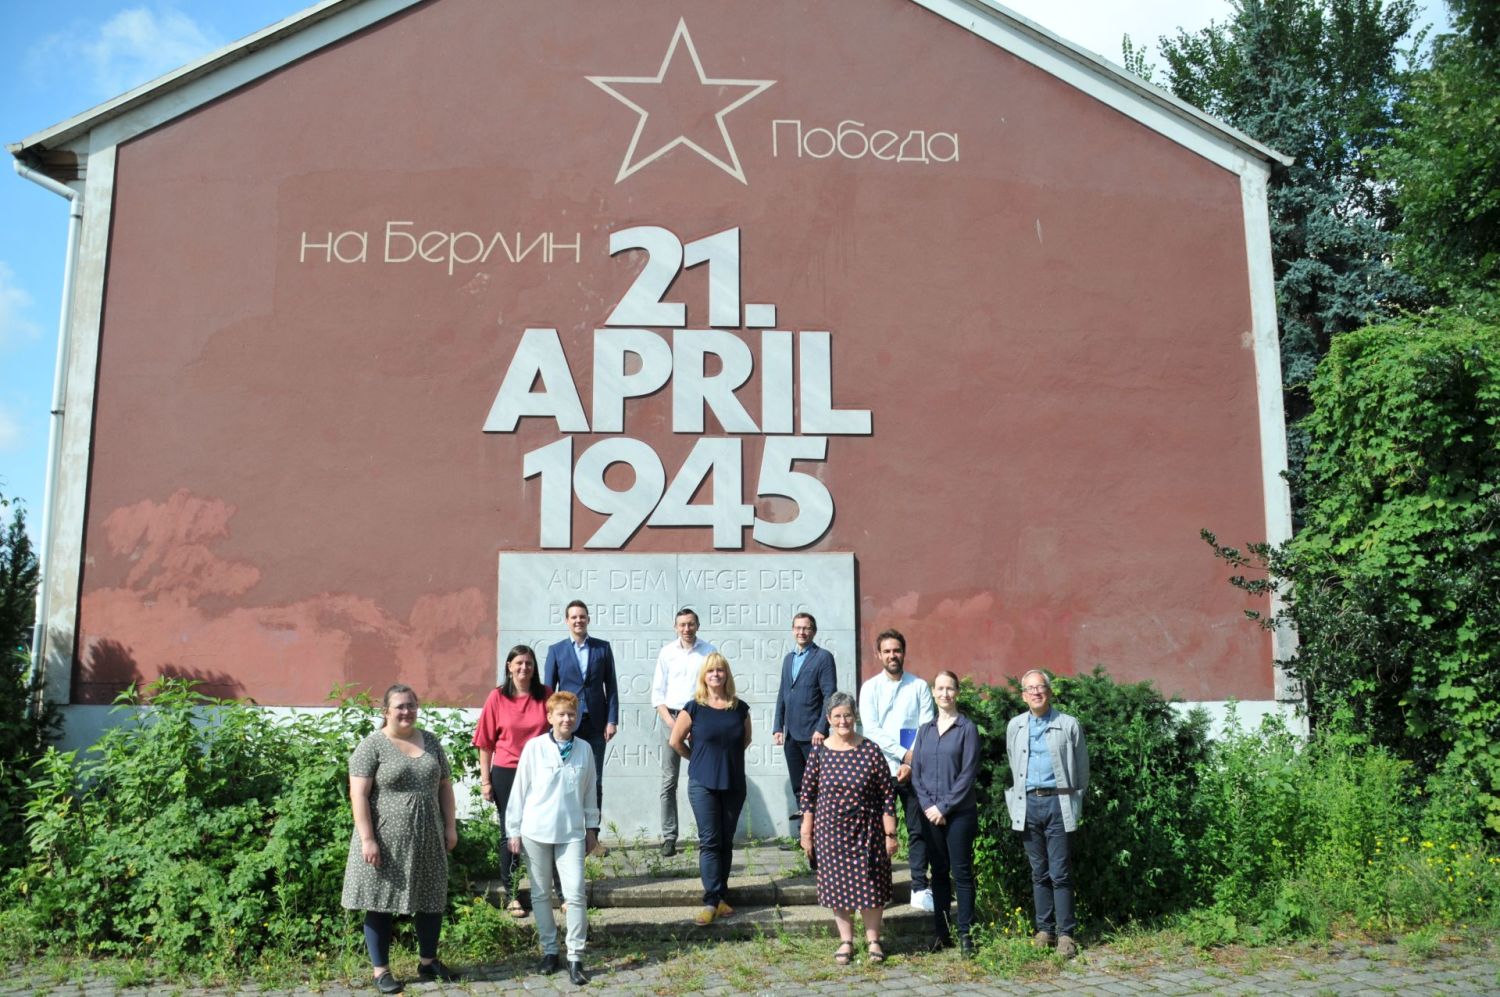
{"x":1133,"y":856}
{"x":207,"y":834}
{"x":24,"y":729}
{"x":1256,"y":836}
{"x":23,"y":738}
{"x":1393,"y":582}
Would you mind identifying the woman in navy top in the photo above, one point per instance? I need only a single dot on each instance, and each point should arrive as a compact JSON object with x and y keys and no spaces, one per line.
{"x":712,"y":733}
{"x":944,"y":764}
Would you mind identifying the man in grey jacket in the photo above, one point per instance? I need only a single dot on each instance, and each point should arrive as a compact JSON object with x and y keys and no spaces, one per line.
{"x":1049,"y":764}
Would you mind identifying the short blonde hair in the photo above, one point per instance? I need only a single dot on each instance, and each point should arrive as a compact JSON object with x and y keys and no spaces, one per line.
{"x":561,"y":698}
{"x":715,"y":660}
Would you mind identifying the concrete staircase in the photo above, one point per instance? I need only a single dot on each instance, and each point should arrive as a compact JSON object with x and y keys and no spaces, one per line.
{"x":635,"y":892}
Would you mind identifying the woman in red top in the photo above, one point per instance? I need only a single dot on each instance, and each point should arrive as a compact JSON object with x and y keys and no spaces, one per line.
{"x":513,"y":714}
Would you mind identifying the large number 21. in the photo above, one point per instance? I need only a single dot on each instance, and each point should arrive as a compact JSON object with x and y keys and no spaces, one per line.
{"x":666,"y":256}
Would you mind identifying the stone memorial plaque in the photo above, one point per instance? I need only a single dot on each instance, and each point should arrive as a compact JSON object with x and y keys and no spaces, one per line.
{"x":745,"y":604}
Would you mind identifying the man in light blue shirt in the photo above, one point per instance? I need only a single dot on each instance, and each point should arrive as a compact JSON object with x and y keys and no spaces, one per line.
{"x":892,"y":705}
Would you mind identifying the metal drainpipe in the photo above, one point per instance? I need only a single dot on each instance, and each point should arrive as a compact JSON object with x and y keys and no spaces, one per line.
{"x":54,"y":429}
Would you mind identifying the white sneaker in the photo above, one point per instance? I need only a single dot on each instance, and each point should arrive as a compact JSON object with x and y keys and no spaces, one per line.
{"x":921,"y":900}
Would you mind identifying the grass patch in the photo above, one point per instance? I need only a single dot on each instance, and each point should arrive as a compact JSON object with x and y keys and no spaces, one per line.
{"x":1013,"y":958}
{"x":1422,"y":944}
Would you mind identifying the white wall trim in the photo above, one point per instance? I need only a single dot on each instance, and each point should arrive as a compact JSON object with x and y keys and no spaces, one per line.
{"x":66,"y":554}
{"x":1268,"y":387}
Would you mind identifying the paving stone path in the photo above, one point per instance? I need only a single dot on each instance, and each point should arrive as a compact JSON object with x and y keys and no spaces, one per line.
{"x":642,"y":944}
{"x":770,"y":967}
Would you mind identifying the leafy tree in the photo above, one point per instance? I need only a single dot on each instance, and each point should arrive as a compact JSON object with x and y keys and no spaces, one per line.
{"x":22,"y":734}
{"x":1394,"y":582}
{"x":18,"y":578}
{"x":1444,"y":162}
{"x":1318,"y":81}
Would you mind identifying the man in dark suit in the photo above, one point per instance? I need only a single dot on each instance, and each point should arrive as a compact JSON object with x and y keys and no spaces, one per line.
{"x":808,"y":678}
{"x":585,"y":666}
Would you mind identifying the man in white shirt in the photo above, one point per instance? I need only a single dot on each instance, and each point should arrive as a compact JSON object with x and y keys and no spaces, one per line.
{"x":892,"y":705}
{"x":673,"y":684}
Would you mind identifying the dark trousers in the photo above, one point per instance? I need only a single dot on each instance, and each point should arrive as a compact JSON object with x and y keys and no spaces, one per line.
{"x":950,"y":846}
{"x":717,"y":812}
{"x":1047,"y":849}
{"x":378,"y":935}
{"x":501,"y":780}
{"x":796,"y":764}
{"x":593,"y":734}
{"x":916,"y":847}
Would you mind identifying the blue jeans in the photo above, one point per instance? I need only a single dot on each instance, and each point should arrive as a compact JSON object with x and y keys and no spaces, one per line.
{"x":1046,"y":842}
{"x":717,"y":812}
{"x":951,"y":851}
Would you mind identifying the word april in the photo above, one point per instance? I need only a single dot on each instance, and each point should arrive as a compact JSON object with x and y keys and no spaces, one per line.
{"x":683,"y":361}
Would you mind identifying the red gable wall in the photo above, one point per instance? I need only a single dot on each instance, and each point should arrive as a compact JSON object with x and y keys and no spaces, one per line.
{"x":291,"y":486}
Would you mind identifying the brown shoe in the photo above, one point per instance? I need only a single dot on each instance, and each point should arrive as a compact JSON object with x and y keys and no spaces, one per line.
{"x":1066,"y":947}
{"x":1043,"y":940}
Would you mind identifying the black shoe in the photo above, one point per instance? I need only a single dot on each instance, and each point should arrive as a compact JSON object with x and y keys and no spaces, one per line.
{"x":435,"y":971}
{"x":940,"y":943}
{"x":576,"y":973}
{"x":668,"y":848}
{"x":548,"y":965}
{"x":388,"y":984}
{"x":966,"y":947}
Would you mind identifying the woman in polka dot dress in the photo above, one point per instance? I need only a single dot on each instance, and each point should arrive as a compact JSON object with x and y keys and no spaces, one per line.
{"x":849,"y":827}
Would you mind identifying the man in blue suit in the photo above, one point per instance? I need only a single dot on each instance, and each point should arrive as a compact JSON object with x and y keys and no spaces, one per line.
{"x":585,"y":666}
{"x":808,"y":678}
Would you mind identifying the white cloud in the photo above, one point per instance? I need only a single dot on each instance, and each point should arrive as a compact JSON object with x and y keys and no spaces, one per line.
{"x":133,"y":47}
{"x":14,"y":301}
{"x":10,"y":432}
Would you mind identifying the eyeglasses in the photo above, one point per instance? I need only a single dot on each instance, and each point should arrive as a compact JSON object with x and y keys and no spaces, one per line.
{"x":1033,"y":689}
{"x":404,"y":708}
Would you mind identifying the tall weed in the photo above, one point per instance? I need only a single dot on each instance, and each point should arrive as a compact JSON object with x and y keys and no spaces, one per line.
{"x":206,"y":833}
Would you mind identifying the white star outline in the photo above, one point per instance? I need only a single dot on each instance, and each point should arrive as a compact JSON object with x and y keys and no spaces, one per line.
{"x":732,"y":167}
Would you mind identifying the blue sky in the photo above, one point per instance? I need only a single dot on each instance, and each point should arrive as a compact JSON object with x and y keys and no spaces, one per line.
{"x":61,"y":61}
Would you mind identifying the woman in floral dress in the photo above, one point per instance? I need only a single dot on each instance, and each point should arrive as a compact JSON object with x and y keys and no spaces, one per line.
{"x":404,"y":827}
{"x":849,"y":827}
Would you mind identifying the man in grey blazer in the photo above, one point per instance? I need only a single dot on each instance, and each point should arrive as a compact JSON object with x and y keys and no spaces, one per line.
{"x":1049,"y":764}
{"x":808,"y":678}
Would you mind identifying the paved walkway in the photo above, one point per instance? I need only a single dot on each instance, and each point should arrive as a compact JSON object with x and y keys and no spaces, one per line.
{"x":775,"y":966}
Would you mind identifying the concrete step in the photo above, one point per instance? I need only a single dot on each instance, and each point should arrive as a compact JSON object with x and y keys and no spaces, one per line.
{"x":749,"y":921}
{"x":760,"y":875}
{"x":635,"y":892}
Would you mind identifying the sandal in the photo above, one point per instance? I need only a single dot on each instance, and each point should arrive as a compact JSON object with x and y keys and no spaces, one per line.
{"x":844,"y":952}
{"x":514,"y":909}
{"x":874,"y":951}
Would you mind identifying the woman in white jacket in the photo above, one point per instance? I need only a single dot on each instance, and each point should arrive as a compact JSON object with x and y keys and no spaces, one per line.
{"x":554,"y":813}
